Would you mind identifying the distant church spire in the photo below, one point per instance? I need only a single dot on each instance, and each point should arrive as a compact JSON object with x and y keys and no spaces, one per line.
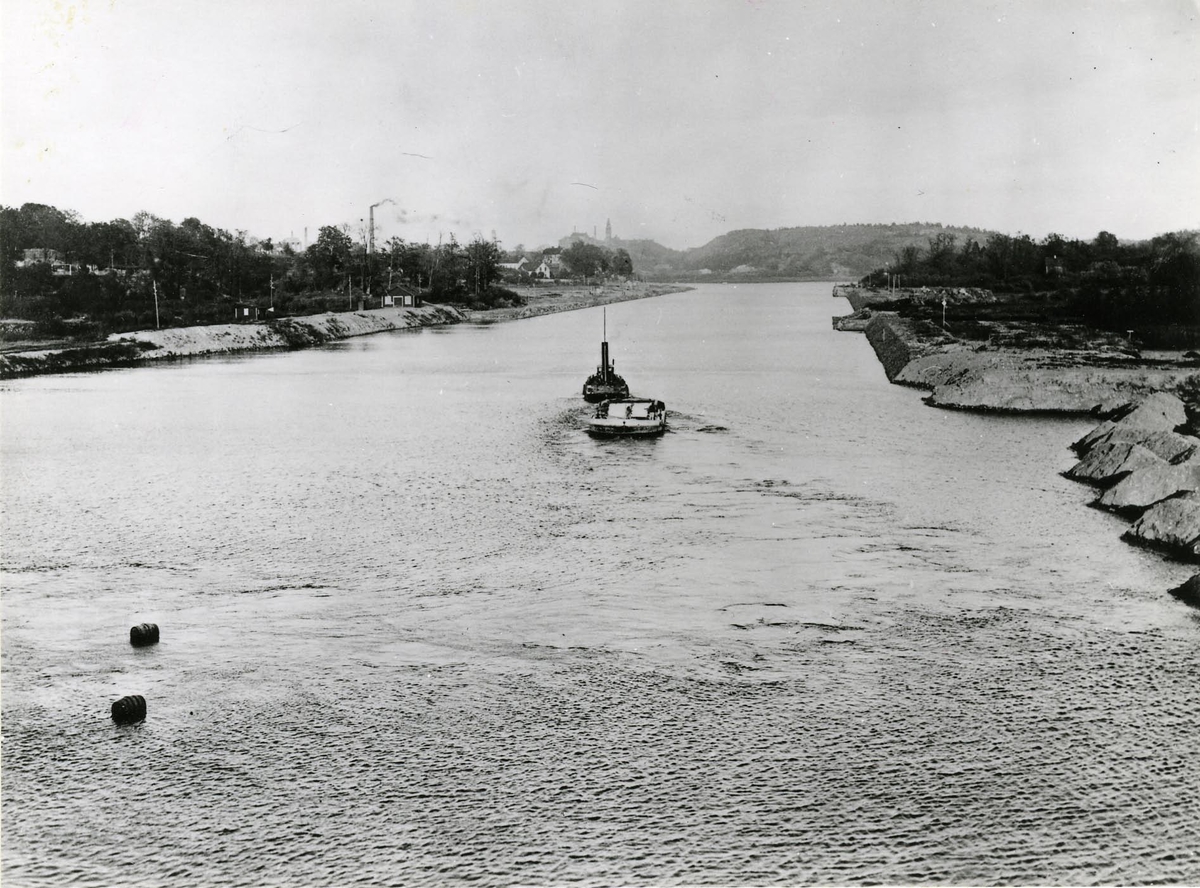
{"x":608,"y":229}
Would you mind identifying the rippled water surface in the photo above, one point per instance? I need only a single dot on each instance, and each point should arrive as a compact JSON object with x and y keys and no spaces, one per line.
{"x":419,"y":629}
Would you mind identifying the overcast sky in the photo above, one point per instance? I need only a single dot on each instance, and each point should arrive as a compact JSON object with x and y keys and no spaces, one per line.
{"x":679,"y":121}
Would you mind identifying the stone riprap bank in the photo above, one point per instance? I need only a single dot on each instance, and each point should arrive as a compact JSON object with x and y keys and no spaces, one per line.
{"x":1144,"y":457}
{"x":127,"y":349}
{"x":1145,"y":461}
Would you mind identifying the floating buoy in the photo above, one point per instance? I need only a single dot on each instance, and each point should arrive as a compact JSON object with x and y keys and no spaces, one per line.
{"x":143,"y":634}
{"x":129,"y":710}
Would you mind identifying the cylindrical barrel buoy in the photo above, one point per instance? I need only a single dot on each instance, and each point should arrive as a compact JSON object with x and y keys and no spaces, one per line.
{"x":143,"y":634}
{"x":129,"y":710}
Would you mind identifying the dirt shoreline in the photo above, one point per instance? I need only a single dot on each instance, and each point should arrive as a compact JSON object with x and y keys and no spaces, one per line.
{"x":549,"y":299}
{"x":173,"y":343}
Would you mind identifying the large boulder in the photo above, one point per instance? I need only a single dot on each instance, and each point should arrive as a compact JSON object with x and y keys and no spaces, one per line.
{"x":1145,"y":487}
{"x":1108,"y":461}
{"x":1171,"y":446}
{"x":1173,"y":524}
{"x":1160,"y":410}
{"x":1189,"y":591}
{"x":1156,"y":412}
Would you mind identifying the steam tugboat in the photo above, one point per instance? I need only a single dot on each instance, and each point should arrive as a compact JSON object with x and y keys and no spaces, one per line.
{"x":604,"y":384}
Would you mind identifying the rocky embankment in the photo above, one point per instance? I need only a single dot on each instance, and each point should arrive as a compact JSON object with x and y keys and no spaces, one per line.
{"x":1145,"y":461}
{"x":127,"y":349}
{"x":1020,"y":367}
{"x":1144,"y":457}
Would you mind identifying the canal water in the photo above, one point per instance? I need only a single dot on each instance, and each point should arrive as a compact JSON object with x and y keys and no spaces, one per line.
{"x":417,"y":628}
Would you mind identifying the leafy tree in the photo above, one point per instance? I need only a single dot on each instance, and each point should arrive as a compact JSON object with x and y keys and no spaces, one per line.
{"x":482,"y":263}
{"x":971,"y":259}
{"x":329,"y":256}
{"x":49,"y":227}
{"x":110,"y":244}
{"x":1175,"y":276}
{"x":11,"y":240}
{"x":408,"y":262}
{"x":586,"y":260}
{"x":446,"y":271}
{"x":1106,"y":245}
{"x":1055,"y":245}
{"x":907,"y":259}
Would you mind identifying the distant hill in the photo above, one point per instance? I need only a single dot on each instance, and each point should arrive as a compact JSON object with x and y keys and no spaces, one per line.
{"x":824,"y":252}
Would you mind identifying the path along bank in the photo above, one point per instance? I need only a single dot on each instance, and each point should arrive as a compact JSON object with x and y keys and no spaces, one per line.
{"x":1143,"y":457}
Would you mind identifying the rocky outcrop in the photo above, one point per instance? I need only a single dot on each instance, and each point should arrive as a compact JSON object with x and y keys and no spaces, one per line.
{"x":1168,"y":446}
{"x":1157,"y":412}
{"x":1138,"y":451}
{"x":1189,"y":592}
{"x":1144,"y":487}
{"x":1172,"y":524}
{"x":1152,"y":471}
{"x":1106,"y":463}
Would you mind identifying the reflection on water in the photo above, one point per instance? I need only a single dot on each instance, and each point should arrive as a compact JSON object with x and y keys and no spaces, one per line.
{"x":419,"y":628}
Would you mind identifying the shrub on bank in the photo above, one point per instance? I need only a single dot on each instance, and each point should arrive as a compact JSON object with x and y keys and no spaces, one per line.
{"x":490,"y":297}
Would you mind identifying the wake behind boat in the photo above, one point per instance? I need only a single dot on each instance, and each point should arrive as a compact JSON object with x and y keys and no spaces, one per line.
{"x":628,"y":417}
{"x":604,"y":384}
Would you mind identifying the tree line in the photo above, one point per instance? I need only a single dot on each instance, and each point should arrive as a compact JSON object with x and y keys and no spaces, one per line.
{"x":1111,"y":283}
{"x":98,"y":277}
{"x":92,"y":278}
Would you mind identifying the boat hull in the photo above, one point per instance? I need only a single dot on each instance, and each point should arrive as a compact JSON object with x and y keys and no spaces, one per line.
{"x":625,"y":428}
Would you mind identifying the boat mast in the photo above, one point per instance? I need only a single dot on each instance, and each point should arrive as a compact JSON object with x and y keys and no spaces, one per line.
{"x":604,"y":349}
